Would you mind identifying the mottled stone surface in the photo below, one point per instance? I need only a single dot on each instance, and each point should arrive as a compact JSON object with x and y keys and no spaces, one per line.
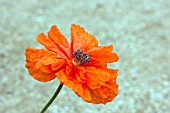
{"x":139,"y":30}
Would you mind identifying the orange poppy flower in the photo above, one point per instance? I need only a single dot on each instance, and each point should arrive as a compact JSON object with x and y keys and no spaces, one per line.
{"x":82,"y":65}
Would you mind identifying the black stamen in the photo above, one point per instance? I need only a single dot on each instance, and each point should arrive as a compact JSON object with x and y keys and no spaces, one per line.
{"x":80,"y":57}
{"x":77,"y":52}
{"x":85,"y":59}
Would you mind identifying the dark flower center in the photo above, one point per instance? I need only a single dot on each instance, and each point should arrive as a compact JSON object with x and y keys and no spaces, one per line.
{"x":80,"y":58}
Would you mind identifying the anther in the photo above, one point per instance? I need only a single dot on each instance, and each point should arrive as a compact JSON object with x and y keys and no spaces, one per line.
{"x":77,"y":52}
{"x":80,"y":58}
{"x":85,"y":59}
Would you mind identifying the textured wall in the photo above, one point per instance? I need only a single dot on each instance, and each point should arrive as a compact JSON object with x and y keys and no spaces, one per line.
{"x":139,"y":30}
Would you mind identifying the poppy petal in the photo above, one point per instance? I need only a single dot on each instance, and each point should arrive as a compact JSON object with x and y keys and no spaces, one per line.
{"x":101,"y":82}
{"x":41,"y":64}
{"x":96,"y":63}
{"x":103,"y":94}
{"x":103,"y":54}
{"x":93,"y":84}
{"x":57,"y":37}
{"x":80,"y":39}
{"x":97,"y":76}
{"x":50,"y":45}
{"x":79,"y":88}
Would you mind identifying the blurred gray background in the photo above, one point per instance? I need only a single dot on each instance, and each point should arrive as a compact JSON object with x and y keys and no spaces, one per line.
{"x":138,"y":29}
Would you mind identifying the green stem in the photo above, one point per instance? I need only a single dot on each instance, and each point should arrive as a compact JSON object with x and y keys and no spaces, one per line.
{"x":52,"y":98}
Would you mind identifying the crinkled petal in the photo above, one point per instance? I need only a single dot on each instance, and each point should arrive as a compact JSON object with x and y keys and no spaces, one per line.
{"x":56,"y":42}
{"x":94,"y":84}
{"x":98,"y":76}
{"x":102,"y":84}
{"x":42,"y":64}
{"x":80,"y":39}
{"x":103,"y":95}
{"x":70,"y":81}
{"x":103,"y":54}
{"x":57,"y":37}
{"x":100,"y":64}
{"x":60,"y":40}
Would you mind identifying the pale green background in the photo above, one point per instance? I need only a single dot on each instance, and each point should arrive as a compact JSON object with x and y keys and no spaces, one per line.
{"x":139,"y":30}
